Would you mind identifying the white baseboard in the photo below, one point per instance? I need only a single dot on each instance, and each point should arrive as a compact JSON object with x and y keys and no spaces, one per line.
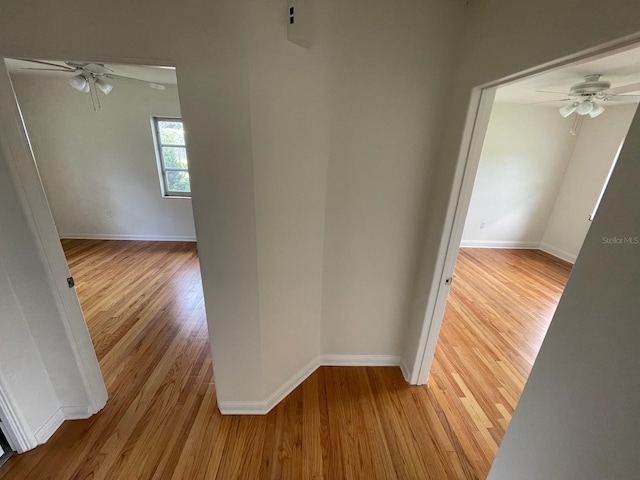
{"x":405,"y":371}
{"x":242,"y":408}
{"x":262,"y":408}
{"x":359,"y":360}
{"x":109,"y":236}
{"x":59,"y":416}
{"x":498,"y":244}
{"x":291,"y":384}
{"x":76,"y":413}
{"x":50,"y":426}
{"x":556,"y":252}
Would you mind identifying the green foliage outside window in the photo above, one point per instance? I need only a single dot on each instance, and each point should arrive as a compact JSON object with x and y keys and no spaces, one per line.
{"x":175,"y":165}
{"x":171,"y":133}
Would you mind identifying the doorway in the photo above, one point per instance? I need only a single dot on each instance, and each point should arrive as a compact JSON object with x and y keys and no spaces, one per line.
{"x":133,"y":259}
{"x":560,"y":234}
{"x":5,"y":449}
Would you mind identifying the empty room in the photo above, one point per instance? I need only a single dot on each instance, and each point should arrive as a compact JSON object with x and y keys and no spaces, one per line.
{"x":333,"y":149}
{"x":542,"y":171}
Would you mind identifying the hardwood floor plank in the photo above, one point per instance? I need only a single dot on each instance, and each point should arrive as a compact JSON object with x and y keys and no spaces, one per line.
{"x":394,"y":425}
{"x":369,"y":429}
{"x":332,"y":466}
{"x":312,"y":454}
{"x":498,"y":311}
{"x":341,"y":415}
{"x":241,"y":455}
{"x":197,"y":449}
{"x":144,"y":309}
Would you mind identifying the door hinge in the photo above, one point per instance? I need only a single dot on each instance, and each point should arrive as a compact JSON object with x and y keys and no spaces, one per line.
{"x":448,"y":281}
{"x":70,"y":282}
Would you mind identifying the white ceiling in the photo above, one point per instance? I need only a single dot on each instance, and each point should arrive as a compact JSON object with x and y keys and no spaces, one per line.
{"x":620,"y":69}
{"x":162,"y":75}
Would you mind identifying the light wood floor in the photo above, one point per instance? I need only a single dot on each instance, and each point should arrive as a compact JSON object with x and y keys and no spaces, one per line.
{"x":143,"y":303}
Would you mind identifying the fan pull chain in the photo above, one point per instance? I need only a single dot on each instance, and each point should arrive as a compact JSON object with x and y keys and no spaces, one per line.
{"x":92,"y":87}
{"x":577,"y":122}
{"x":93,"y":91}
{"x":96,"y":93}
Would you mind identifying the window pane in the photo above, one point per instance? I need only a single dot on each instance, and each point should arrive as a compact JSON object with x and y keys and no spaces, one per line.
{"x":171,"y":132}
{"x":178,"y":182}
{"x":175,"y":157}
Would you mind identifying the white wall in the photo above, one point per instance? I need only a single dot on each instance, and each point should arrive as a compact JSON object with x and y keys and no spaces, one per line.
{"x":339,"y":159}
{"x":208,"y":45}
{"x":524,"y":157}
{"x":390,"y":64}
{"x":289,"y":134}
{"x":96,"y":161}
{"x":282,"y":242}
{"x":536,"y":184}
{"x":595,"y":149}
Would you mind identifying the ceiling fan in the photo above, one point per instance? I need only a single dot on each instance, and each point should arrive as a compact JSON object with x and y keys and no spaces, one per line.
{"x":89,"y":77}
{"x":585,"y":98}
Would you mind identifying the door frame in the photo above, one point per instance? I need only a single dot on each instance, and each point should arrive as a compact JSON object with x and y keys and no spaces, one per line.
{"x":21,"y":161}
{"x":473,"y":136}
{"x":14,"y":140}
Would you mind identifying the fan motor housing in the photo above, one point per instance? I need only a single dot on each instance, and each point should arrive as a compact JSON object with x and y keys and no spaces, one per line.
{"x":592,"y":85}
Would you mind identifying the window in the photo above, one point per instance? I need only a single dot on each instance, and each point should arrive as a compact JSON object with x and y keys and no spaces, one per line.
{"x":171,"y":152}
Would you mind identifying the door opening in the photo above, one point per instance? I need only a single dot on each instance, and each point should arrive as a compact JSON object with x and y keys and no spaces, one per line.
{"x":473,"y":309}
{"x":130,"y":249}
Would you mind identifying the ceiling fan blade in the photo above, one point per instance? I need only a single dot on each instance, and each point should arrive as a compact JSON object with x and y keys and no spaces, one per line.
{"x":633,"y":87}
{"x":94,"y":68}
{"x":621,"y":96}
{"x":48,"y":69}
{"x":48,"y":63}
{"x":157,"y":86}
{"x":549,"y":101}
{"x":557,"y":93}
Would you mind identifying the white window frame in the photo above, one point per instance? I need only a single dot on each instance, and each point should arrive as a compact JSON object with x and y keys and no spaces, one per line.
{"x":162,"y":169}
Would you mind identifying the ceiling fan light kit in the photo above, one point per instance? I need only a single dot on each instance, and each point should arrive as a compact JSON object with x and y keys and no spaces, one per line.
{"x":80,"y":83}
{"x":569,"y":109}
{"x":104,"y":86}
{"x":587,"y":92}
{"x":90,"y":77}
{"x":584,"y":108}
{"x":583,"y":95}
{"x":596,"y":110}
